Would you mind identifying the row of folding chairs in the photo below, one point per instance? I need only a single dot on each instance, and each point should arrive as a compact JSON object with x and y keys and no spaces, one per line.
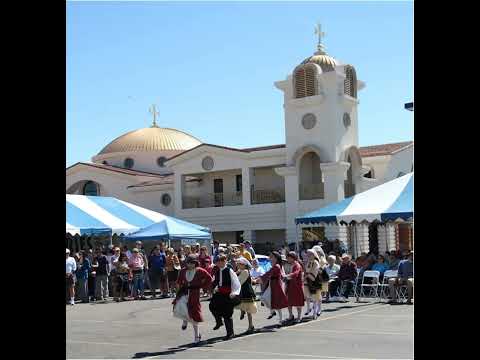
{"x":371,"y":286}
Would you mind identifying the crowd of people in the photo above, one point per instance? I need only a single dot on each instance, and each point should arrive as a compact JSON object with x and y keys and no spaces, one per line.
{"x":228,"y":276}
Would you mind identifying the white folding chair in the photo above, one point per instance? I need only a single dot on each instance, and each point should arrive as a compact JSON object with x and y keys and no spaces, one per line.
{"x":375,"y":278}
{"x":356,"y":293}
{"x":401,"y":292}
{"x":384,"y":287}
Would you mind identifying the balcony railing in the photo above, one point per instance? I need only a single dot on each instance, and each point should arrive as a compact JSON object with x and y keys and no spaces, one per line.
{"x":267,"y":196}
{"x":311,"y":191}
{"x":212,"y":200}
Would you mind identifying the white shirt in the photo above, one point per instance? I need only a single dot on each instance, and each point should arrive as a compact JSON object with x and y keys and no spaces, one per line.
{"x":71,"y":265}
{"x":332,"y":271}
{"x":235,"y":283}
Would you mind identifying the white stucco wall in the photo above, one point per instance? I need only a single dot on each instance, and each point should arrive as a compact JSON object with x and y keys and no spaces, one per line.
{"x":401,"y":161}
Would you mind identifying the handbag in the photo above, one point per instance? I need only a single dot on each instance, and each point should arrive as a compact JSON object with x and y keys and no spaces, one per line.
{"x":180,"y":309}
{"x":266,"y":297}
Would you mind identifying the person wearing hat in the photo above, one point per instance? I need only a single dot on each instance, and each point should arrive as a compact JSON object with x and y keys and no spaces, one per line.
{"x":247,"y":294}
{"x":71,"y":267}
{"x":191,"y":279}
{"x":226,"y":287}
{"x":404,"y":277}
{"x":347,"y":274}
{"x":274,"y":277}
{"x":312,"y":286}
{"x":137,"y":264}
{"x":295,"y":287}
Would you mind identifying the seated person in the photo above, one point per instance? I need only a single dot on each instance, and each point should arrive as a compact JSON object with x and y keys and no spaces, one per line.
{"x":361,"y":261}
{"x":405,"y":277}
{"x":347,"y":274}
{"x":393,"y":262}
{"x":332,"y":269}
{"x":380,"y":266}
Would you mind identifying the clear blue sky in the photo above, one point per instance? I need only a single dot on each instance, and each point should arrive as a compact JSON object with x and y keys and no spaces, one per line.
{"x":210,"y":67}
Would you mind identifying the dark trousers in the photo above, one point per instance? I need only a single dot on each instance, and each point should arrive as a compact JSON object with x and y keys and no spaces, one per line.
{"x":221,"y":307}
{"x":335,"y":284}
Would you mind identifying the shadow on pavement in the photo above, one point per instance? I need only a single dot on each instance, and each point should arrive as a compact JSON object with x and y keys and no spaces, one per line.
{"x":211,"y":341}
{"x":203,"y":343}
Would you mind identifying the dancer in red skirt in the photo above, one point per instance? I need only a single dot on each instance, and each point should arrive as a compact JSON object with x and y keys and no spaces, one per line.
{"x":295,"y":287}
{"x":190,"y":280}
{"x":274,"y":276}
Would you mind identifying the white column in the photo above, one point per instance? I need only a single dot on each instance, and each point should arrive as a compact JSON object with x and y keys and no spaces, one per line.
{"x":391,"y":238}
{"x":179,"y":188}
{"x":334,"y":175}
{"x":247,"y":182}
{"x":382,"y":239}
{"x":291,"y":202}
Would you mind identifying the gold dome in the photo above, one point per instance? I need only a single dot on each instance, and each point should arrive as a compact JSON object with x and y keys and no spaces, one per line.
{"x":151,"y":139}
{"x":326,"y":63}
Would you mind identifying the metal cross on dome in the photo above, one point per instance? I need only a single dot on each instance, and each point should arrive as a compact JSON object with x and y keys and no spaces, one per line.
{"x":321,"y":34}
{"x":154,"y":112}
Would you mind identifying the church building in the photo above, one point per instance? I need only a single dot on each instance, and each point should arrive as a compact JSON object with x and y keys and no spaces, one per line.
{"x":256,"y":193}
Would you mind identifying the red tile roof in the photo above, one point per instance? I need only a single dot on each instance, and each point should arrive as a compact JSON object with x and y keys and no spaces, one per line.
{"x":167,"y":179}
{"x":383,"y":149}
{"x":118,"y":169}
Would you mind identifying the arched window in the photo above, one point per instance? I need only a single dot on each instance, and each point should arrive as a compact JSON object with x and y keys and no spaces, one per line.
{"x":128,"y":163}
{"x":349,"y":186}
{"x":305,"y":81}
{"x":161,"y":161}
{"x":90,"y":189}
{"x":350,"y":83}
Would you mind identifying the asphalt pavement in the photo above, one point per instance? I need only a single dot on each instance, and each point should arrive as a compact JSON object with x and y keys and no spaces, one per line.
{"x":147,"y":329}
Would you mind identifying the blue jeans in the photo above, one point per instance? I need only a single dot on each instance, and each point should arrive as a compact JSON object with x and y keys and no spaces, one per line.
{"x":137,"y":288}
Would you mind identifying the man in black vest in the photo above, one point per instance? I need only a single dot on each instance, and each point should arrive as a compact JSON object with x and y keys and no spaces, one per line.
{"x":226,"y":288}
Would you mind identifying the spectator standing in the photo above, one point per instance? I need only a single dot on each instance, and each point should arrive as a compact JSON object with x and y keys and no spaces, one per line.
{"x":71,"y":267}
{"x":91,"y":276}
{"x":173,"y":267}
{"x":158,"y":272}
{"x":102,"y":269}
{"x":205,"y":260}
{"x":244,"y":253}
{"x":83,"y":268}
{"x":137,"y":264}
{"x":142,"y":252}
{"x":127,"y":252}
{"x":123,"y":274}
{"x":187,"y":250}
{"x":347,"y":274}
{"x":181,"y":257}
{"x":312,"y":286}
{"x":405,"y":277}
{"x":249,"y":247}
{"x":216,"y":246}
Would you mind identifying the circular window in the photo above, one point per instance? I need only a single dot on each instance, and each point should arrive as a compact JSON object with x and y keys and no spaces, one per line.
{"x":166,"y":199}
{"x":346,"y":120}
{"x":309,"y":121}
{"x":128,"y":163}
{"x":207,"y":163}
{"x":90,"y":189}
{"x":161,"y":161}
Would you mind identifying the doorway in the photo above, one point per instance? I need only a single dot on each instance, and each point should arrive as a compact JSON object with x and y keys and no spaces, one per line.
{"x":218,"y":192}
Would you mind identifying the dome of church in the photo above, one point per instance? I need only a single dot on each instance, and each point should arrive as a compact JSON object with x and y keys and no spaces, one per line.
{"x":153,"y":138}
{"x":326,"y":62}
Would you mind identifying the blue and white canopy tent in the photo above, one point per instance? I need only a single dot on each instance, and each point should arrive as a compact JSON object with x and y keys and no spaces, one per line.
{"x":391,"y":201}
{"x":172,"y":229}
{"x":106,"y":216}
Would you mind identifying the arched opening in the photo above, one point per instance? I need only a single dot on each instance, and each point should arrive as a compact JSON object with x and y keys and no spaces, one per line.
{"x":349,"y":186}
{"x":350,"y":82}
{"x":304,"y":81}
{"x":91,"y":188}
{"x":310,"y":177}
